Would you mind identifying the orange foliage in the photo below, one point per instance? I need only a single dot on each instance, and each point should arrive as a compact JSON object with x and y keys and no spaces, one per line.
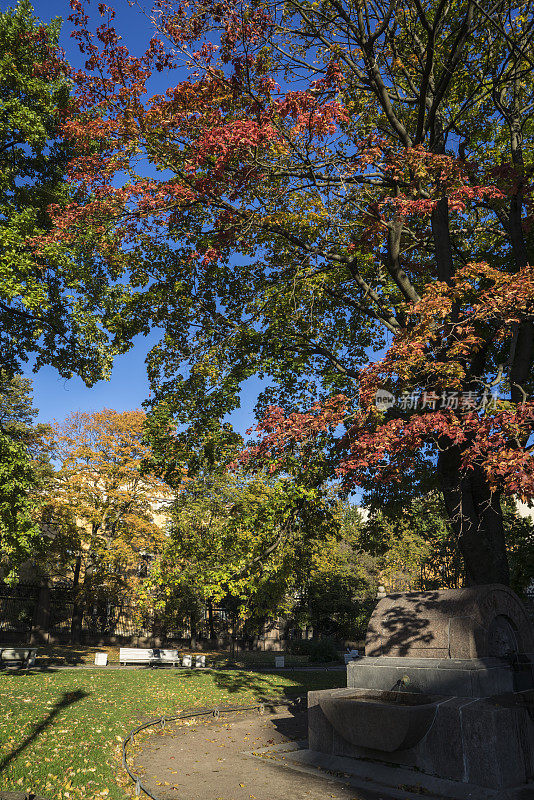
{"x":120,"y":510}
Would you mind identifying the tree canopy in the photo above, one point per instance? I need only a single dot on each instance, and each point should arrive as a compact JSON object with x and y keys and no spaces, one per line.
{"x":99,"y":483}
{"x":24,"y":473}
{"x":336,"y":197}
{"x":239,"y":541}
{"x":55,"y":309}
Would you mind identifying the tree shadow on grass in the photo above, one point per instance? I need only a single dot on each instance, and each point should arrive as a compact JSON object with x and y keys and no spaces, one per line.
{"x":68,"y":699}
{"x":64,"y":655}
{"x":251,"y":687}
{"x":238,"y":681}
{"x":264,"y":689}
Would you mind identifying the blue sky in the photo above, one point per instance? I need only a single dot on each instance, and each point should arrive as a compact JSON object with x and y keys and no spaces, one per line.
{"x":54,"y":396}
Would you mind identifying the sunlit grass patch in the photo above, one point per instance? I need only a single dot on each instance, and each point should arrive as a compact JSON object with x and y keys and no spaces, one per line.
{"x":60,"y":732}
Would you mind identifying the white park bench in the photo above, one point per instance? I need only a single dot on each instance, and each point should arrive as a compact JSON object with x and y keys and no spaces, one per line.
{"x":18,"y":656}
{"x":155,"y":655}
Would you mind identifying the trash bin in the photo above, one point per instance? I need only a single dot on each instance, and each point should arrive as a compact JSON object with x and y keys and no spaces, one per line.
{"x":279,"y":661}
{"x":101,"y":659}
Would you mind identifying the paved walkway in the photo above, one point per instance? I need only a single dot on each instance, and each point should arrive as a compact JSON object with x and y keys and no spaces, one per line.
{"x":211,"y":761}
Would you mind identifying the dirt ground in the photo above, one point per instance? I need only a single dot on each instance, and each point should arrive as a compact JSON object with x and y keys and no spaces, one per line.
{"x":211,"y":761}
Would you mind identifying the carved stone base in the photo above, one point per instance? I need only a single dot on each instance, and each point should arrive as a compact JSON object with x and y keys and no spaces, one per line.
{"x":488,"y":742}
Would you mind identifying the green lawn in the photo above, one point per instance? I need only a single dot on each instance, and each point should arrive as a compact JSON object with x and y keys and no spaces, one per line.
{"x":60,"y":732}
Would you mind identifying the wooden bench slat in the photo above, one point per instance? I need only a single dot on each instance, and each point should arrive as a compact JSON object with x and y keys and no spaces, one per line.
{"x":148,"y":655}
{"x":16,"y":655}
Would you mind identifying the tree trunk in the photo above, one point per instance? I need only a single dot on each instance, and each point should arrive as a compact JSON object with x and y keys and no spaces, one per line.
{"x":193,"y":628}
{"x":158,"y":631}
{"x":40,"y":631}
{"x":76,"y":623}
{"x":233,"y":639}
{"x":211,"y":626}
{"x":476,"y":518}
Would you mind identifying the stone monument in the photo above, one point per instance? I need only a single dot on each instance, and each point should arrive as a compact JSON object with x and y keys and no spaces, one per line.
{"x":445,"y":690}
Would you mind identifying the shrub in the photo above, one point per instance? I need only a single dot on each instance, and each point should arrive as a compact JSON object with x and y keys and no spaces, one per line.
{"x":317,"y":650}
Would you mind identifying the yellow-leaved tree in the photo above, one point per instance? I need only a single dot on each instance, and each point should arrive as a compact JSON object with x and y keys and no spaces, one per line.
{"x":119,"y":509}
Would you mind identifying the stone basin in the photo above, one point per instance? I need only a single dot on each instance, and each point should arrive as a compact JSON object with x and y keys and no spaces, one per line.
{"x":382,"y":720}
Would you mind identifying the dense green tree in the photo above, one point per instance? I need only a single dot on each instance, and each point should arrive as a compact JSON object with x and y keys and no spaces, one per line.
{"x":416,"y":546}
{"x":339,"y":582}
{"x":24,"y":471}
{"x":519,"y":531}
{"x":52,"y":307}
{"x":237,"y":540}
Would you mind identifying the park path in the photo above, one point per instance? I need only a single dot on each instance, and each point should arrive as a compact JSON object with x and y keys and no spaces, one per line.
{"x":211,"y":761}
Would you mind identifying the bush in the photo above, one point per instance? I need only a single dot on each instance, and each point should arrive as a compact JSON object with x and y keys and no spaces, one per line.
{"x":361,"y":619}
{"x":317,"y":650}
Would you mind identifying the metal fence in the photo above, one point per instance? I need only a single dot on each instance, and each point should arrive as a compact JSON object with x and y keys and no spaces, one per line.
{"x":17,"y":610}
{"x":60,"y":617}
{"x":22,"y":609}
{"x":102,"y":619}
